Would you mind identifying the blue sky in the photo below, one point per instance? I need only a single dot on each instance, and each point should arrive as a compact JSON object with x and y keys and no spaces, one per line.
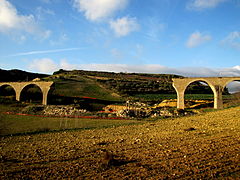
{"x":187,"y":37}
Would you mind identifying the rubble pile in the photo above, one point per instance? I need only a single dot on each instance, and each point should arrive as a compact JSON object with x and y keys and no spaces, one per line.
{"x":53,"y":110}
{"x":143,"y":110}
{"x":145,"y":113}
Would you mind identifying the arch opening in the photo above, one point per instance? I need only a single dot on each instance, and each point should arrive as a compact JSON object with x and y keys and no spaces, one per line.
{"x":7,"y":94}
{"x":198,"y":94}
{"x":31,"y":94}
{"x":233,"y":96}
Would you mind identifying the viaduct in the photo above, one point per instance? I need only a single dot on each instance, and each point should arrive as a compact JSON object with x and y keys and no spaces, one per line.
{"x":217,"y":84}
{"x":19,"y":86}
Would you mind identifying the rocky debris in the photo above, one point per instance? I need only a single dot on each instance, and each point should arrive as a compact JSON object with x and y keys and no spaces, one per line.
{"x":167,"y":108}
{"x":68,"y":110}
{"x":148,"y":112}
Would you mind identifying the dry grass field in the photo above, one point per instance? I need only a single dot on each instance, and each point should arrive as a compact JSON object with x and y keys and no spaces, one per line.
{"x":205,"y":146}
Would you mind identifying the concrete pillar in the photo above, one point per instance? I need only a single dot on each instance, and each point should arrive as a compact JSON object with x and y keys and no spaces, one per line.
{"x":18,"y":89}
{"x":18,"y":93}
{"x":180,"y":100}
{"x":218,"y":100}
{"x":180,"y":87}
{"x":45,"y":95}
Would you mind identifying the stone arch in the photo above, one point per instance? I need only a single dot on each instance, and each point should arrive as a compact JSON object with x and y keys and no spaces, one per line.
{"x":7,"y":85}
{"x":234,"y":97}
{"x":44,"y":86}
{"x":30,"y":85}
{"x":208,"y":83}
{"x":231,"y":80}
{"x":180,"y":85}
{"x":201,"y":80}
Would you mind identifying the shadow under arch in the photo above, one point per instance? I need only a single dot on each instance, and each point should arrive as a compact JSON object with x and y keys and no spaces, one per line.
{"x":7,"y":92}
{"x":31,"y":93}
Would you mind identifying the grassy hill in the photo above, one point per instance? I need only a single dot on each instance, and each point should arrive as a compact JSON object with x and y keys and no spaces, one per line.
{"x":126,"y":83}
{"x":121,"y":86}
{"x":80,"y":86}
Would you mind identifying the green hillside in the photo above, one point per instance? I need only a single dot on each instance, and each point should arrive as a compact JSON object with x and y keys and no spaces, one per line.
{"x":118,"y":86}
{"x":105,"y":85}
{"x":80,"y":86}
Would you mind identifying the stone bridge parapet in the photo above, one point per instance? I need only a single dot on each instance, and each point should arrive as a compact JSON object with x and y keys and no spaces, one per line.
{"x":19,"y":86}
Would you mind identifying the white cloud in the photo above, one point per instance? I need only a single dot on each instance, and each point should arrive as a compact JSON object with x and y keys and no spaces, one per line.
{"x":11,"y":21}
{"x":44,"y":65}
{"x":237,"y":68}
{"x":43,"y":52}
{"x":104,"y":10}
{"x":96,"y":10}
{"x":196,"y":39}
{"x":156,"y":68}
{"x":233,"y":40}
{"x":124,"y":26}
{"x":65,"y":65}
{"x":203,"y":4}
{"x":47,"y":65}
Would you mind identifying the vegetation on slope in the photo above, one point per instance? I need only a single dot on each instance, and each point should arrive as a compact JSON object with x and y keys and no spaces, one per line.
{"x":137,"y":85}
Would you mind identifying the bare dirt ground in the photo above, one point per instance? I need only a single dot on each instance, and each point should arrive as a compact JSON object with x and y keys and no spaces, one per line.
{"x":203,"y":146}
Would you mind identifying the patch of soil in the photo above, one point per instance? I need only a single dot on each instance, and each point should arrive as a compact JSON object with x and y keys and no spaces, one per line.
{"x":165,"y":149}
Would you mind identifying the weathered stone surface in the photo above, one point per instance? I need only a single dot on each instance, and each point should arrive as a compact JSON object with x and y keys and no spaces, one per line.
{"x":217,"y":84}
{"x":19,"y":86}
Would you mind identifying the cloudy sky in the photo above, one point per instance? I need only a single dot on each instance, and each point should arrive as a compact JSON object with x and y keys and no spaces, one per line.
{"x":186,"y":37}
